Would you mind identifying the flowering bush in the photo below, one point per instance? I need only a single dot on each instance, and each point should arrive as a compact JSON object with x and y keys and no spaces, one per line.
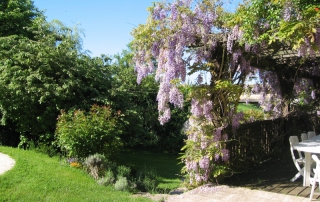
{"x":81,"y":134}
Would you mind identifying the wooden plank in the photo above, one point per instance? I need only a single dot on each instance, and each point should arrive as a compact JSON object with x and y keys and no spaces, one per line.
{"x":297,"y":191}
{"x":289,"y":187}
{"x":271,"y":187}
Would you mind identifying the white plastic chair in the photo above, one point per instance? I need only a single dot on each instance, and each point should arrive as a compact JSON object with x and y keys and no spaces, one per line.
{"x":304,"y":136}
{"x":311,"y":134}
{"x":316,"y":175}
{"x":298,"y":162}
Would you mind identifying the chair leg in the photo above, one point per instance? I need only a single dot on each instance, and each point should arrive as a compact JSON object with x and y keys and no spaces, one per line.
{"x":300,"y":173}
{"x":295,"y":177}
{"x":313,"y":185}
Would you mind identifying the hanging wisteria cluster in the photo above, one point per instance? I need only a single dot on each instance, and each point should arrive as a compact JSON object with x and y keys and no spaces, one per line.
{"x":304,"y":92}
{"x":270,"y":93}
{"x":173,"y":31}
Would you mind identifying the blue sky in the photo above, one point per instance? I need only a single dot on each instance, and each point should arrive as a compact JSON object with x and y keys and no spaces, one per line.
{"x":106,"y":23}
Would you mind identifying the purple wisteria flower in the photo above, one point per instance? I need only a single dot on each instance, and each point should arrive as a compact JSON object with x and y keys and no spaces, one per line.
{"x":225,"y":154}
{"x":313,"y":94}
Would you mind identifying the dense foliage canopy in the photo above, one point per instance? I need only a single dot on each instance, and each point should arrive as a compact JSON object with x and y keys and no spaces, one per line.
{"x":41,"y":76}
{"x":16,"y":17}
{"x":43,"y":70}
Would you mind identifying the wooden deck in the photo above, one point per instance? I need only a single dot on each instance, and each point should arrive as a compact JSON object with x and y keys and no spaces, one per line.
{"x":273,"y":176}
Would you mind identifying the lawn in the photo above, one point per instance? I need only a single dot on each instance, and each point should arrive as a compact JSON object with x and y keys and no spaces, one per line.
{"x":167,"y":166}
{"x":37,"y":177}
{"x":245,"y":107}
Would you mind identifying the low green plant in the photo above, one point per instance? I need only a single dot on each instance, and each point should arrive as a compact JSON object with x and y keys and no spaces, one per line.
{"x":121,"y":176}
{"x":81,"y":133}
{"x":122,"y":184}
{"x":167,"y":167}
{"x":147,"y":180}
{"x":108,"y":179}
{"x":96,"y":165}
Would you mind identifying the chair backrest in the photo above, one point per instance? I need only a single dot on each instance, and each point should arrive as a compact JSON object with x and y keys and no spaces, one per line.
{"x":311,"y":134}
{"x":294,"y":140}
{"x":304,"y":136}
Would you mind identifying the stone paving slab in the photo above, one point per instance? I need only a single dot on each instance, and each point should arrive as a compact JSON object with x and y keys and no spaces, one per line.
{"x":236,"y":194}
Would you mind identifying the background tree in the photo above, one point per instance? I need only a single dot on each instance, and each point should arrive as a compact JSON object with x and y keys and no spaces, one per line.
{"x":43,"y":75}
{"x":16,"y":16}
{"x":138,"y":104}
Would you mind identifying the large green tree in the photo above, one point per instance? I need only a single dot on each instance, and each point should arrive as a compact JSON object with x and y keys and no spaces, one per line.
{"x":16,"y":16}
{"x":41,"y":76}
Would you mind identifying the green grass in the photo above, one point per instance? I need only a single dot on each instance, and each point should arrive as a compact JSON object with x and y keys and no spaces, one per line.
{"x":37,"y":177}
{"x":166,"y":165}
{"x":245,"y":107}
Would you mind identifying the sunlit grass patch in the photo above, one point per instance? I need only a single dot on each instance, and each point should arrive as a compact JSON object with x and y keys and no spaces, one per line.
{"x":37,"y":177}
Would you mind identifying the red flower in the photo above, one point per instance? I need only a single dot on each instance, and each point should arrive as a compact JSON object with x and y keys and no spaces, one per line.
{"x":316,"y":8}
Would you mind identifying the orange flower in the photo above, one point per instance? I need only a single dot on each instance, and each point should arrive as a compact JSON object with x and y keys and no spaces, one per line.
{"x":75,"y":164}
{"x":317,"y":9}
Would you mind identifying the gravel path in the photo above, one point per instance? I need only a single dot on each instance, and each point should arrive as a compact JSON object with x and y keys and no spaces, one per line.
{"x":6,"y":163}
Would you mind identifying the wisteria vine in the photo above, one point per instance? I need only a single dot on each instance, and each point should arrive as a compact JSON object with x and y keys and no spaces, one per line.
{"x":192,"y":36}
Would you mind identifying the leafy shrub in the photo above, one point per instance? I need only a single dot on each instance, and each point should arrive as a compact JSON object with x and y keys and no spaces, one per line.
{"x":123,"y":171}
{"x":24,"y":143}
{"x":82,"y":134}
{"x":122,"y":184}
{"x":253,"y":115}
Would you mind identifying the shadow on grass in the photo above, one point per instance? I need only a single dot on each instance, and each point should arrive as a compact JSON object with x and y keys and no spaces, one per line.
{"x":167,"y":166}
